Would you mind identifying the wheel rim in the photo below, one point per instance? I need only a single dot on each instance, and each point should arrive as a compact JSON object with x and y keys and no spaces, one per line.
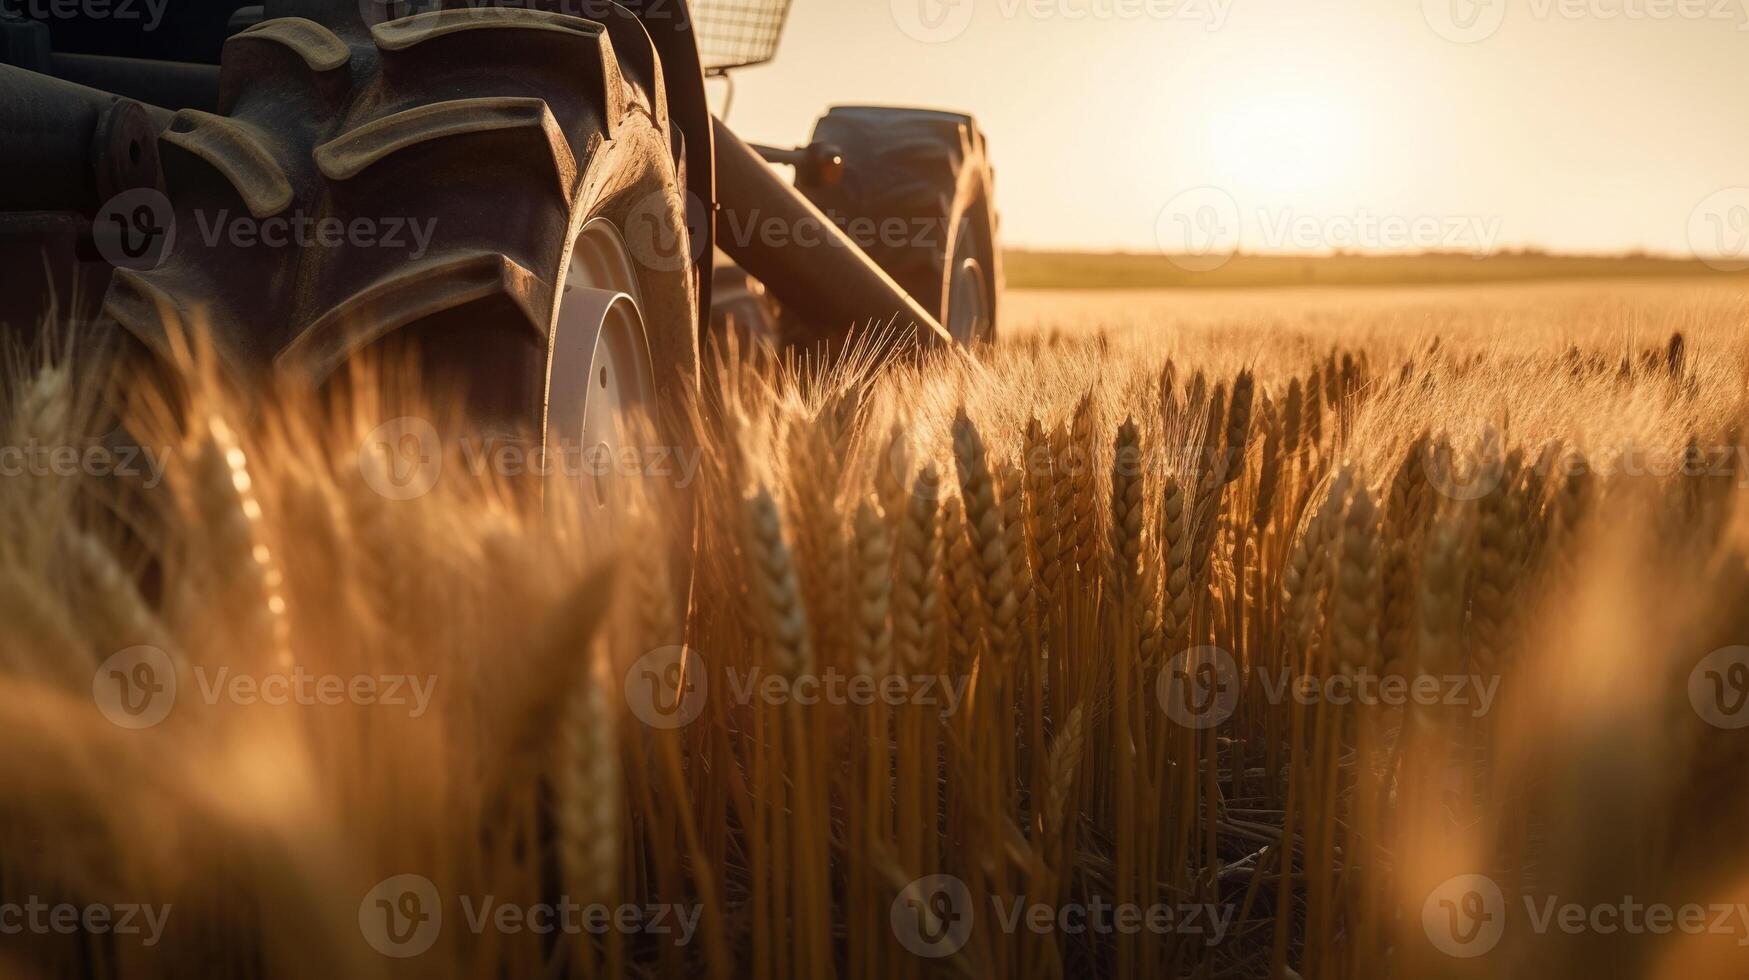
{"x":601,"y":389}
{"x":968,"y":304}
{"x":968,"y":296}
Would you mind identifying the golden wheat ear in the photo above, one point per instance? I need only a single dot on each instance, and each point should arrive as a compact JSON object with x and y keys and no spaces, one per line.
{"x":1125,"y":530}
{"x":985,"y":524}
{"x":917,"y":566}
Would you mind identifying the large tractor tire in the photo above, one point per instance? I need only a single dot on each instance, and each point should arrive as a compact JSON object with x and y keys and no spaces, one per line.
{"x":531,"y":150}
{"x":917,"y":193}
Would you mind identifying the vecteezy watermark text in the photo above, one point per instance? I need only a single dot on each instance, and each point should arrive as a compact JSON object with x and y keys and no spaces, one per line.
{"x":137,"y":688}
{"x":1467,"y":916}
{"x":150,"y":13}
{"x":138,"y":229}
{"x":745,"y":227}
{"x":34,"y":459}
{"x":940,"y":21}
{"x":1201,"y":688}
{"x":934,"y":916}
{"x":43,"y":918}
{"x":297,"y":229}
{"x":669,"y":687}
{"x":402,"y":916}
{"x":404,"y":458}
{"x":1201,"y":228}
{"x":304,"y":687}
{"x":847,"y":688}
{"x":575,"y":918}
{"x":1471,"y":21}
{"x":516,"y":458}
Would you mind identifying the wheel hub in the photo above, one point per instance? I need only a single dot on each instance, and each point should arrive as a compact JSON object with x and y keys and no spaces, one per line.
{"x":968,"y":305}
{"x":968,"y":295}
{"x":601,"y":389}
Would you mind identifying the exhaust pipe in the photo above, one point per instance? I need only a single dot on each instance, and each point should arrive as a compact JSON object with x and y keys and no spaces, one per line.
{"x":810,"y":265}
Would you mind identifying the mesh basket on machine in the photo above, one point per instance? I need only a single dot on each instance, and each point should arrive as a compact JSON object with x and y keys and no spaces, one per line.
{"x":736,"y":33}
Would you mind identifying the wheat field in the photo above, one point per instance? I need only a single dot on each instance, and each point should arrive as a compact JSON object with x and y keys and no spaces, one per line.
{"x":1357,"y":637}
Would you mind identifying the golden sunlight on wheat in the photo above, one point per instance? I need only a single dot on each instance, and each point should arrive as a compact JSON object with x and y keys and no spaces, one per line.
{"x":1368,"y":645}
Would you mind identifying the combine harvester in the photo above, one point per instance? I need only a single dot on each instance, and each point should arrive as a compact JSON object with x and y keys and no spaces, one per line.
{"x":533,"y":195}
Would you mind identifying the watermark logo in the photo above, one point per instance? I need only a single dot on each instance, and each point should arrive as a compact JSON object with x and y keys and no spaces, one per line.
{"x":933,"y":21}
{"x":1464,"y":21}
{"x":300,"y":686}
{"x":1199,"y":228}
{"x":135,"y":230}
{"x":402,"y":916}
{"x":744,"y":227}
{"x":661,"y":240}
{"x":1468,"y":465}
{"x":1199,"y":688}
{"x":668,"y":687}
{"x":933,"y":916}
{"x":411,"y":27}
{"x":1470,"y":21}
{"x":402,"y":458}
{"x":135,"y":688}
{"x":1718,"y":688}
{"x":854,"y":688}
{"x":670,"y":14}
{"x":1718,"y":229}
{"x":925,"y":484}
{"x":1465,"y":916}
{"x":297,"y":229}
{"x":677,"y":465}
{"x":1364,"y":229}
{"x":1100,"y":917}
{"x":940,"y":21}
{"x":576,"y":918}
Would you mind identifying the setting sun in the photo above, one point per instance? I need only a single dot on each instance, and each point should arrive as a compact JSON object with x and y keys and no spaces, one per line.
{"x":1274,"y":144}
{"x":1325,"y":108}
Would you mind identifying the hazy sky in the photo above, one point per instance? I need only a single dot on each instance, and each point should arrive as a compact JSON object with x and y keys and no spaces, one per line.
{"x":1587,"y":125}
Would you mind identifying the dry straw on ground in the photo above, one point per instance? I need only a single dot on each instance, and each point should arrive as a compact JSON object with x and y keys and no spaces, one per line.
{"x":1074,"y":531}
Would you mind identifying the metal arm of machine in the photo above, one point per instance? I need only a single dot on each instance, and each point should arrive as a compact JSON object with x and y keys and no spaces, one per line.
{"x":801,"y":256}
{"x":70,"y":147}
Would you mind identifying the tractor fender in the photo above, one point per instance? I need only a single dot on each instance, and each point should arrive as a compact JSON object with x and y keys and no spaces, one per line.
{"x":670,"y":26}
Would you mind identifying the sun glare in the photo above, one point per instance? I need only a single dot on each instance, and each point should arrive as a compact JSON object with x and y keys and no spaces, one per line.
{"x":1282,"y":142}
